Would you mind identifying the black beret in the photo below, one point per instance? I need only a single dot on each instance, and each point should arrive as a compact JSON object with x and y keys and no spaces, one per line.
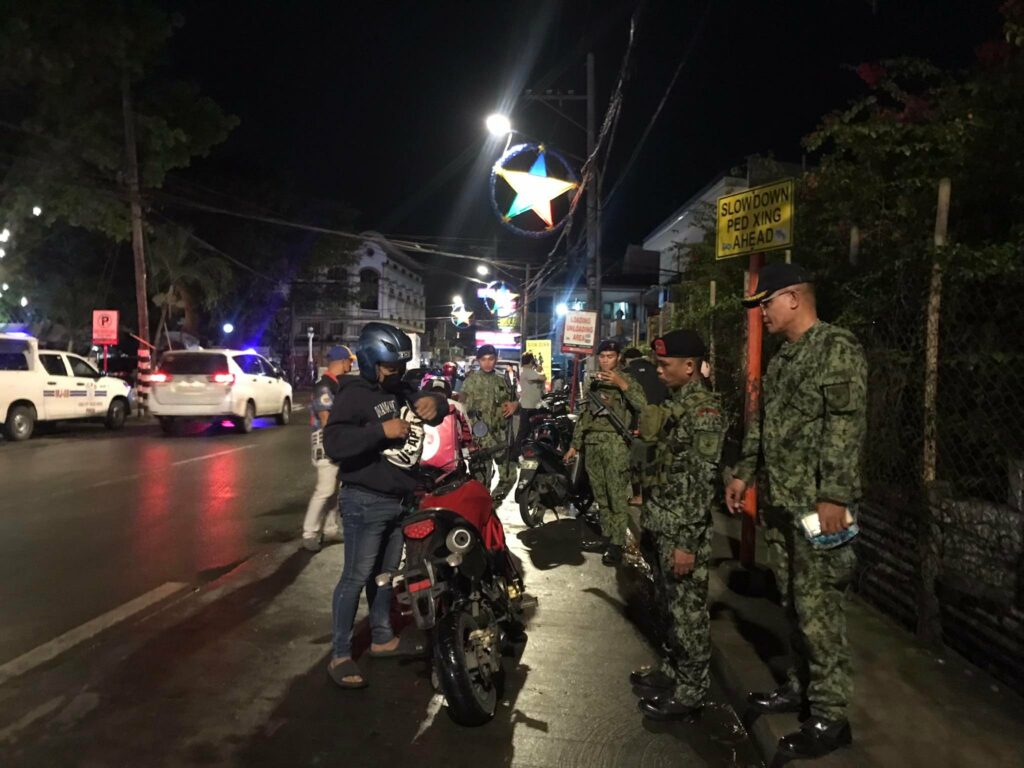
{"x":609,"y":345}
{"x":680,"y":343}
{"x":487,"y":349}
{"x":775,"y":277}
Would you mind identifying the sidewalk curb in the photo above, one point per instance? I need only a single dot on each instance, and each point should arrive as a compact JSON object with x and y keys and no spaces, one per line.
{"x":765,"y":739}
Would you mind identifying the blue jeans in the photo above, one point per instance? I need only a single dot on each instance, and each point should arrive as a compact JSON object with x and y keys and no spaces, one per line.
{"x":373,"y":544}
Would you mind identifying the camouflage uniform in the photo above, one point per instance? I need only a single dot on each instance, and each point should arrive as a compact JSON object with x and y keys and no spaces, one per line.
{"x":606,"y":454}
{"x":484,"y":394}
{"x":690,"y":430}
{"x":810,"y":438}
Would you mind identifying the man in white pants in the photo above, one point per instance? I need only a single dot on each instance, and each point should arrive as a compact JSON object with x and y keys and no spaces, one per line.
{"x":322,"y":514}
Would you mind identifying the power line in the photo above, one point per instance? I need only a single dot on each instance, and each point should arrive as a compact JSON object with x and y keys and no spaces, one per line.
{"x":661,"y":105}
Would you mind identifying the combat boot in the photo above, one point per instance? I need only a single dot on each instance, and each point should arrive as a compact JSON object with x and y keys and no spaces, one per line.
{"x":816,"y":737}
{"x":782,"y":699}
{"x":651,"y":682}
{"x":664,"y":707}
{"x":612,"y":555}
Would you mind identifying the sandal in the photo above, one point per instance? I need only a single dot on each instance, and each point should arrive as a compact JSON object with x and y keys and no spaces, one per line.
{"x":347,"y":668}
{"x":404,"y":648}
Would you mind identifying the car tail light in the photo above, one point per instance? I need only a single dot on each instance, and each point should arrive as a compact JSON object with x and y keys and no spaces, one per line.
{"x":529,"y":450}
{"x":159,"y":377}
{"x":419,"y":530}
{"x":222,"y":378}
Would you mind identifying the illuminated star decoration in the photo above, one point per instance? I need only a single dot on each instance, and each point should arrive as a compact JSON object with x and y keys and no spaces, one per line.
{"x":461,"y":316}
{"x":534,"y":189}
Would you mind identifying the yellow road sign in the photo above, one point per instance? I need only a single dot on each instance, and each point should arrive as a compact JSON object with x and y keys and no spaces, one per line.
{"x":755,"y":220}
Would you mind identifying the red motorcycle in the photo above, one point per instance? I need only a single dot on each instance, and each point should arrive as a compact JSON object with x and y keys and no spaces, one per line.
{"x":460,"y":585}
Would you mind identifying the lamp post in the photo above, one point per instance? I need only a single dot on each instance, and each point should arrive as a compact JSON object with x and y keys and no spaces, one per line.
{"x":309,"y":361}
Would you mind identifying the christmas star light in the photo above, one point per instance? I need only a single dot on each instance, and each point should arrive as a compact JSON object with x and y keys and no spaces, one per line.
{"x":534,"y":190}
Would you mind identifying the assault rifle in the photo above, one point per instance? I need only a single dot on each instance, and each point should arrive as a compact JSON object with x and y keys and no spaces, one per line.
{"x":599,"y":409}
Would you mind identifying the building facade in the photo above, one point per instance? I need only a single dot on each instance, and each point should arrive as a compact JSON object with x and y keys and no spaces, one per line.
{"x":381,"y":283}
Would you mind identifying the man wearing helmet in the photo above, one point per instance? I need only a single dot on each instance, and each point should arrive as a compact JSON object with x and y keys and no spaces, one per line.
{"x":374,"y":434}
{"x":489,"y":398}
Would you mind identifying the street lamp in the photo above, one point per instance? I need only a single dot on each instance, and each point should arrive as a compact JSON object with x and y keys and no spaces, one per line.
{"x":227,"y":328}
{"x":5,"y":235}
{"x":37,"y":211}
{"x":499,"y":125}
{"x":562,"y":309}
{"x":24,"y":301}
{"x":457,"y":300}
{"x":5,"y":287}
{"x":2,"y":253}
{"x":482,"y":270}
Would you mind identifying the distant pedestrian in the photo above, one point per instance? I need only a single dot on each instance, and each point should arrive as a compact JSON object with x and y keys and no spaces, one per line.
{"x":689,"y":430}
{"x":322,"y":521}
{"x":531,"y":379}
{"x":808,"y":440}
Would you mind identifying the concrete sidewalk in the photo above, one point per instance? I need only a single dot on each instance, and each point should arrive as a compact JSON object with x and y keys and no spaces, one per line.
{"x":912,"y":706}
{"x":235,"y":674}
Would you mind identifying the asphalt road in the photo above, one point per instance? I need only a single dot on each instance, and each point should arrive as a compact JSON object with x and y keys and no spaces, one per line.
{"x":90,"y":520}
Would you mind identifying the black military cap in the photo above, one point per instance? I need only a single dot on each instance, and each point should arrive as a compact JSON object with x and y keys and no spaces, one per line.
{"x":486,"y":349}
{"x":775,"y":277}
{"x":679,"y":343}
{"x":609,"y":345}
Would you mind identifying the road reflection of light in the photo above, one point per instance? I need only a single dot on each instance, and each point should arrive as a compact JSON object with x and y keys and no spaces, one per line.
{"x":151,"y":521}
{"x":219,"y":533}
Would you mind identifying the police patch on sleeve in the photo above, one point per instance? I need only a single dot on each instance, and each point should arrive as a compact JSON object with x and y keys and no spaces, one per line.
{"x":707,"y":445}
{"x":325,"y":398}
{"x":837,"y":397}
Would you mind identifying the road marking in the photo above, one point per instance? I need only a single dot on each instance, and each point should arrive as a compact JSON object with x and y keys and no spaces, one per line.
{"x":204,"y":457}
{"x":30,"y":717}
{"x":54,"y":648}
{"x":432,"y":709}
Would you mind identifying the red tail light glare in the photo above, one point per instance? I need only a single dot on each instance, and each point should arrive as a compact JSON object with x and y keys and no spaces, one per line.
{"x":419,"y":530}
{"x":529,"y":451}
{"x":223,"y":378}
{"x":159,"y":377}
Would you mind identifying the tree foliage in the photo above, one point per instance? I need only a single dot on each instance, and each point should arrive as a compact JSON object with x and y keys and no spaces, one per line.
{"x":62,"y":71}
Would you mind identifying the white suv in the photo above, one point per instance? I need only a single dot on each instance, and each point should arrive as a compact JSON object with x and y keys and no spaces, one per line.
{"x":49,"y":385}
{"x":210,"y":384}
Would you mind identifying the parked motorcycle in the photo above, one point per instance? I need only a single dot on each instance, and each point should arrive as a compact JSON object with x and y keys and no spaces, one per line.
{"x":546,"y":482}
{"x":460,"y":584}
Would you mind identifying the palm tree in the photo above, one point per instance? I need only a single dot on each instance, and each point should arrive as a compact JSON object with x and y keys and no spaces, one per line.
{"x":185,"y":277}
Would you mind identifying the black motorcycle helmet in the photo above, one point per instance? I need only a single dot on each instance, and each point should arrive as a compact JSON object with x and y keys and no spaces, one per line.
{"x":382,"y":343}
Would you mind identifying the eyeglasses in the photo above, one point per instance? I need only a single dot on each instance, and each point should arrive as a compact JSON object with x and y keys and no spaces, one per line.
{"x":764,"y":304}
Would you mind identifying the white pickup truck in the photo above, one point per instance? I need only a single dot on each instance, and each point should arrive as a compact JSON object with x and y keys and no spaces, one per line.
{"x":48,"y":386}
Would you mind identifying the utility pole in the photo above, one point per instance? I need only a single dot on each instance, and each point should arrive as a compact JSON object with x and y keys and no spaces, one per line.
{"x":138,"y":246}
{"x":523,"y":336}
{"x":593,"y":202}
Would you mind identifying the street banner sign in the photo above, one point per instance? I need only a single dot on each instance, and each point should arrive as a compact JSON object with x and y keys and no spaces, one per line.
{"x":104,"y":326}
{"x":540,"y":349}
{"x":498,"y":339}
{"x":755,"y":220}
{"x":579,"y":335}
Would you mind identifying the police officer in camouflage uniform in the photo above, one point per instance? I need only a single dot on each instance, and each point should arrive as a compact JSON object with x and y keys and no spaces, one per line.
{"x":606,"y":456}
{"x":489,"y":398}
{"x":689,"y":429}
{"x":808,"y":442}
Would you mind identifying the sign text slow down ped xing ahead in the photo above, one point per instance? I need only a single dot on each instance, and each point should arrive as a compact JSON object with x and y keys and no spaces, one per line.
{"x":755,"y":220}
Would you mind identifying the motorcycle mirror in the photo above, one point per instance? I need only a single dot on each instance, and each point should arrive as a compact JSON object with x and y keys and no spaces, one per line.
{"x":480,"y":429}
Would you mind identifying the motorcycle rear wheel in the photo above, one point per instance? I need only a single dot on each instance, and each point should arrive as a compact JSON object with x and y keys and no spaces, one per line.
{"x":471,"y":689}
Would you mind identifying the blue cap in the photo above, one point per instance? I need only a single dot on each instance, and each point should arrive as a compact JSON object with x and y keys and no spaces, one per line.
{"x":339,"y":352}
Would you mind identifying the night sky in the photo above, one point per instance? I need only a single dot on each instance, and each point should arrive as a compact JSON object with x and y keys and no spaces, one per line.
{"x":380,"y":105}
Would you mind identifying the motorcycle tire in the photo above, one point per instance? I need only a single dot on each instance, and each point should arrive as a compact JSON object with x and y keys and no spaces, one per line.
{"x":472,"y":699}
{"x":530,"y":507}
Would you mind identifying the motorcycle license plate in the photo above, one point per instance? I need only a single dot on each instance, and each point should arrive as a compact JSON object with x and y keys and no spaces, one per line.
{"x":529,"y":463}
